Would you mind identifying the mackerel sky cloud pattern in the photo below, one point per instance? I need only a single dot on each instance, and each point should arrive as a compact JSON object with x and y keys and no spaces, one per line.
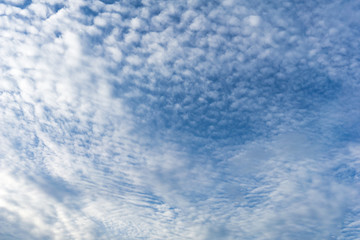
{"x":179,"y":119}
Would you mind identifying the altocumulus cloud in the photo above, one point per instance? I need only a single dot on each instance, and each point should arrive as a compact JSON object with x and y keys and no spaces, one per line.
{"x":179,"y":119}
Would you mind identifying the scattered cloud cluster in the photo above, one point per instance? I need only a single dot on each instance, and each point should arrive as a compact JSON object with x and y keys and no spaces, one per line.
{"x":179,"y":120}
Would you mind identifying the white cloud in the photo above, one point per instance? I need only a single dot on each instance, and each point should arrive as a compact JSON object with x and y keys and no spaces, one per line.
{"x":253,"y":20}
{"x":136,"y":23}
{"x":171,"y":120}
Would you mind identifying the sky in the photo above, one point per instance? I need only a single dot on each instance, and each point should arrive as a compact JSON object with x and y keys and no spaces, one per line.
{"x":189,"y":119}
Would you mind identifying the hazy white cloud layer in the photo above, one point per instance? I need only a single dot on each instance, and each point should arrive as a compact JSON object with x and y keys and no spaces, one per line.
{"x":179,"y":119}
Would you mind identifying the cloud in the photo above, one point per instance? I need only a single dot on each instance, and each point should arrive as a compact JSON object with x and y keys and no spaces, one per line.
{"x":179,"y":120}
{"x":253,"y":20}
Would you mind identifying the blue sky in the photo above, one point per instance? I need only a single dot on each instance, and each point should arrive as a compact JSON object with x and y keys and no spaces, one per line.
{"x":179,"y":119}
